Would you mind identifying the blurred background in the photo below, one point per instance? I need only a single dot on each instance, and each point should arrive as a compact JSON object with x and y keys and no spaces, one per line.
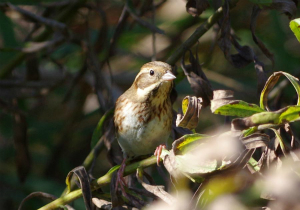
{"x":64,"y":63}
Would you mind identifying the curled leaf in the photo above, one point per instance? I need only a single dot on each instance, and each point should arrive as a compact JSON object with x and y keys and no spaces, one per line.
{"x":84,"y":180}
{"x":288,"y":7}
{"x":271,"y":83}
{"x":191,"y":107}
{"x":221,"y":97}
{"x":256,"y":140}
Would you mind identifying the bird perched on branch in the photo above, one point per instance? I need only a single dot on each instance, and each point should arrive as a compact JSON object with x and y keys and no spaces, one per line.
{"x":143,"y":114}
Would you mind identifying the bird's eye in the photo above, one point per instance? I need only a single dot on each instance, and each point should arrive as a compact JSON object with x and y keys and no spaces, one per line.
{"x":151,"y":72}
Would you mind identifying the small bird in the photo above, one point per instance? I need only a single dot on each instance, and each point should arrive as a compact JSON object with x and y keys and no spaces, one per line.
{"x":143,"y":114}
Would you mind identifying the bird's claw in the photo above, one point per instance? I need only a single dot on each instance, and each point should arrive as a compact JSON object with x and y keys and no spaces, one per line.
{"x":158,"y":151}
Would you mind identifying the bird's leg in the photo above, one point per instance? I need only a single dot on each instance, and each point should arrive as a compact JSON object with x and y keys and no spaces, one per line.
{"x":157,"y":152}
{"x":120,"y":179}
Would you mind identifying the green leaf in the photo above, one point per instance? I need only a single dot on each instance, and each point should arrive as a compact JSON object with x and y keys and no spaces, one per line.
{"x":285,"y":115}
{"x":185,"y":142}
{"x":249,"y":131}
{"x":271,"y":83}
{"x":295,"y":27}
{"x":185,"y":165}
{"x":238,"y":108}
{"x":281,"y":142}
{"x":290,"y":115}
{"x":98,"y":132}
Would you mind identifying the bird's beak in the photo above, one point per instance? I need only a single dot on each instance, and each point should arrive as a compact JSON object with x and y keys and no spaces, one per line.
{"x":169,"y":76}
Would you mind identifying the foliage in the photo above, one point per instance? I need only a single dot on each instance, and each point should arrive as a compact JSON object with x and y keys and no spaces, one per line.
{"x":64,"y":63}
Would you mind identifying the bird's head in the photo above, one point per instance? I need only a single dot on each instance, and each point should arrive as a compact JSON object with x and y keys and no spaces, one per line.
{"x":155,"y":79}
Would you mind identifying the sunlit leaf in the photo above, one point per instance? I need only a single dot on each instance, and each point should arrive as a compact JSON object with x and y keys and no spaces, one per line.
{"x":191,"y":107}
{"x":238,"y":108}
{"x":185,"y":103}
{"x":185,"y":141}
{"x":295,"y":27}
{"x":271,"y":83}
{"x":285,"y":115}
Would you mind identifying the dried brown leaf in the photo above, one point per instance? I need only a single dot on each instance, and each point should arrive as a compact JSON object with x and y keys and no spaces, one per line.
{"x":244,"y":56}
{"x":177,"y":132}
{"x":288,"y":7}
{"x":192,"y":107}
{"x":84,"y":181}
{"x":256,"y":140}
{"x":221,"y":97}
{"x":155,"y":189}
{"x":101,"y":204}
{"x":197,"y":79}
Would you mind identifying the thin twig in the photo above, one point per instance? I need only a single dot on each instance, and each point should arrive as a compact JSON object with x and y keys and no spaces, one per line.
{"x":142,"y":22}
{"x":36,"y":18}
{"x":200,"y":31}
